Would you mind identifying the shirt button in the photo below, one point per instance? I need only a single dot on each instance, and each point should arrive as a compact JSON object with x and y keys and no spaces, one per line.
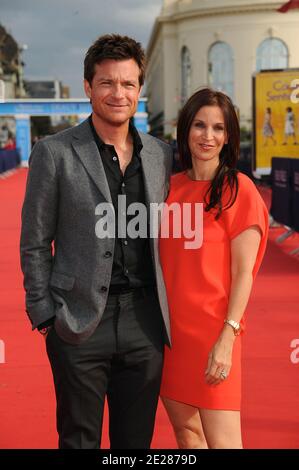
{"x":108,"y":254}
{"x":126,"y":271}
{"x":104,"y":289}
{"x":123,"y":185}
{"x":114,"y":158}
{"x":125,"y":242}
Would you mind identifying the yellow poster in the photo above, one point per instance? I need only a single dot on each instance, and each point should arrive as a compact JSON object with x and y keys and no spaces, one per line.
{"x":276,"y":117}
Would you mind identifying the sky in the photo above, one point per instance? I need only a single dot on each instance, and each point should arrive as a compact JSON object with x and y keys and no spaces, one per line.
{"x":57,"y":33}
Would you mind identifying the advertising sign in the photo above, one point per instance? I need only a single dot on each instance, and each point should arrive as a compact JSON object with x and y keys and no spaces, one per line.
{"x":275,"y":117}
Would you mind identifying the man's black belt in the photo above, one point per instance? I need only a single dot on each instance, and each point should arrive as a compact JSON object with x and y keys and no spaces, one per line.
{"x":117,"y":289}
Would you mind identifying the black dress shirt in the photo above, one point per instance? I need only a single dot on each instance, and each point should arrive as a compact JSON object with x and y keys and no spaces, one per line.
{"x":132,"y":262}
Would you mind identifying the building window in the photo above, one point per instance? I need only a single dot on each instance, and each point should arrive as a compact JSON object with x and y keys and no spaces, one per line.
{"x":186,"y":74}
{"x":221,"y":68}
{"x":272,"y":53}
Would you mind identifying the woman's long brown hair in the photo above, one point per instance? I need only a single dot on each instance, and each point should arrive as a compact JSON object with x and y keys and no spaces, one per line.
{"x":226,"y":173}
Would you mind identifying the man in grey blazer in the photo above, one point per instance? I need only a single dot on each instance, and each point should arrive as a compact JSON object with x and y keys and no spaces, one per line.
{"x":99,"y":299}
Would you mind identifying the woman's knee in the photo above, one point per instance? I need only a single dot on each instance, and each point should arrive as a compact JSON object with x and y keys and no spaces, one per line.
{"x":186,"y":423}
{"x":222,"y":428}
{"x":190,"y":438}
{"x":225,"y":443}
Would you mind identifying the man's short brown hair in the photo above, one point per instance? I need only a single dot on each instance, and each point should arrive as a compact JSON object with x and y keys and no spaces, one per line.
{"x":116,"y":47}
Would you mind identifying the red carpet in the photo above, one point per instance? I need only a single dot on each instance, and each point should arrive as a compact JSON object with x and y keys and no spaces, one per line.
{"x":270,"y":391}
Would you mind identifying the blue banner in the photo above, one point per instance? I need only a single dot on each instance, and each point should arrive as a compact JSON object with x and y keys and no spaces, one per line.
{"x":23,"y":137}
{"x":23,"y":109}
{"x":51,"y":107}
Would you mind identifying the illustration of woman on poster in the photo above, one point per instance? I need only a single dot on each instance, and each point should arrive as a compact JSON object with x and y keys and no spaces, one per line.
{"x":289,"y":127}
{"x":268,"y":131}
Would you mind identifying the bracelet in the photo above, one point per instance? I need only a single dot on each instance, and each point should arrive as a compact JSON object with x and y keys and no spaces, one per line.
{"x":234,"y":325}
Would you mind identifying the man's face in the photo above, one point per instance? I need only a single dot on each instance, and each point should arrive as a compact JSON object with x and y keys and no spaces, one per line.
{"x":114,"y":91}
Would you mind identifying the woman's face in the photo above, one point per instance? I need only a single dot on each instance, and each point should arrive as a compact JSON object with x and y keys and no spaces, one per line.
{"x":207,"y":134}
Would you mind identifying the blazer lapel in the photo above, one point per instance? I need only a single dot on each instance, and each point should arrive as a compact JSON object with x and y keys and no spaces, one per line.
{"x":152,"y":176}
{"x":87,"y":150}
{"x":154,"y":183}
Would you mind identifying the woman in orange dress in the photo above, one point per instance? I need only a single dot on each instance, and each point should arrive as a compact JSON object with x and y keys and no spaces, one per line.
{"x":208,"y":286}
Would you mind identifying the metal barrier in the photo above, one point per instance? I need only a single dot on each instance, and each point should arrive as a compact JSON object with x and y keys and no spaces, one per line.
{"x":285,"y":196}
{"x":9,"y":159}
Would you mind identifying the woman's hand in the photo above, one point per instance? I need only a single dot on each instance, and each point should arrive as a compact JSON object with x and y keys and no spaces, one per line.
{"x":244,"y":248}
{"x":220,"y":357}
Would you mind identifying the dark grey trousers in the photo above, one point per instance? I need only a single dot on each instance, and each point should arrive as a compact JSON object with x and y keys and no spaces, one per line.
{"x":121,"y":360}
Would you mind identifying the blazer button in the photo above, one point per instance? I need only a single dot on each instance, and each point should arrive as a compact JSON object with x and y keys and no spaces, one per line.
{"x":108,"y":254}
{"x":104,"y":289}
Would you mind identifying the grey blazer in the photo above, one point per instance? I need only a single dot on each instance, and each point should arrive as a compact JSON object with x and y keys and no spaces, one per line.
{"x":70,"y":278}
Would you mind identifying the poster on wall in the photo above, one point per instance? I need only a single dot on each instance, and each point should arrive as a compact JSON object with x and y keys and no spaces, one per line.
{"x":275,"y":117}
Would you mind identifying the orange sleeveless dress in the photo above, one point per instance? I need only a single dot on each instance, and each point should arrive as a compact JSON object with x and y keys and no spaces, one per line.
{"x":198,"y":286}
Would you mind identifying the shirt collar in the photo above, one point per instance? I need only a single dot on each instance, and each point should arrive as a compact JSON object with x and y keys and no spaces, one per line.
{"x":132,"y":129}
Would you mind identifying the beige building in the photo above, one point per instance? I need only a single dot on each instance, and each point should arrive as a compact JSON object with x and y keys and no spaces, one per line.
{"x":11,"y":67}
{"x":220,"y":43}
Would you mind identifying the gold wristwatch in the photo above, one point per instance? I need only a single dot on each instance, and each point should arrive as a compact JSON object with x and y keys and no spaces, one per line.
{"x":235,"y":326}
